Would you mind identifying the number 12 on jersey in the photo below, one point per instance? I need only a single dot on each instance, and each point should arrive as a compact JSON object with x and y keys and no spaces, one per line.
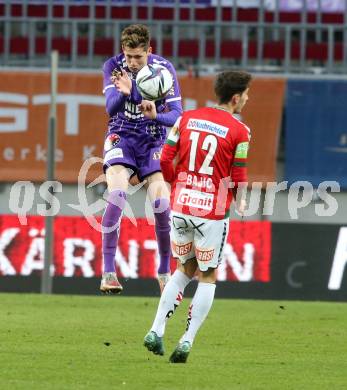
{"x":210,"y":145}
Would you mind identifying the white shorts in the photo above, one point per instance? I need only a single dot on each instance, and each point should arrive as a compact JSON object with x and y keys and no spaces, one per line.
{"x":198,"y":238}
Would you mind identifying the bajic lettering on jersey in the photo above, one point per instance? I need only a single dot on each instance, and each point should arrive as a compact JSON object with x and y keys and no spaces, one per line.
{"x":199,"y":182}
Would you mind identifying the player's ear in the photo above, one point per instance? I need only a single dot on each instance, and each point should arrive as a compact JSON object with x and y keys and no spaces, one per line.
{"x":149,"y":50}
{"x":235,"y":99}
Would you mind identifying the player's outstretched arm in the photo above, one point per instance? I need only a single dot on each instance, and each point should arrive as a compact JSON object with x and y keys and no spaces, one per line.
{"x":169,"y":118}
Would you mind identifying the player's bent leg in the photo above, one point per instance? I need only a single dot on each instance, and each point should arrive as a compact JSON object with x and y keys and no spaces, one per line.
{"x":116,"y":175}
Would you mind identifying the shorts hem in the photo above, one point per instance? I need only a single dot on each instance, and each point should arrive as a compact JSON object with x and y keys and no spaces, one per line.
{"x":105,"y":166}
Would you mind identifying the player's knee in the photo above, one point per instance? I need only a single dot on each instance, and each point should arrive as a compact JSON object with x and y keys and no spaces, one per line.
{"x":208,"y":276}
{"x":188,"y":268}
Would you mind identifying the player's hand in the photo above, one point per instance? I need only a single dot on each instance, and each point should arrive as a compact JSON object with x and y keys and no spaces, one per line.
{"x":122,"y":82}
{"x":148,"y":109}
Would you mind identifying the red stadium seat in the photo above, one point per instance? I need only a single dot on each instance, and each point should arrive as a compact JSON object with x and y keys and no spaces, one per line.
{"x":58,"y":11}
{"x":231,"y":49}
{"x":167,"y":48}
{"x":19,"y":45}
{"x":104,"y":47}
{"x":252,"y":49}
{"x":333,"y":18}
{"x":274,"y":50}
{"x":62,"y":45}
{"x":184,"y":13}
{"x":247,"y":14}
{"x":16,"y":10}
{"x":205,"y":14}
{"x":295,"y":51}
{"x":82,"y":46}
{"x":317,"y":51}
{"x":269,"y":16}
{"x":338,"y":51}
{"x":142,"y":12}
{"x":227,"y":14}
{"x":100,"y":12}
{"x":210,"y":48}
{"x":78,"y":11}
{"x":153,"y":45}
{"x":120,"y":12}
{"x":37,"y":10}
{"x":290,"y":17}
{"x":167,"y":13}
{"x":163,"y":13}
{"x":312,"y":17}
{"x":188,"y":48}
{"x":40,"y":45}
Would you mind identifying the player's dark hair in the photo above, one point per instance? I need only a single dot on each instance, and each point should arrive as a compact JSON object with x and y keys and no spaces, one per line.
{"x":230,"y":83}
{"x":135,"y":35}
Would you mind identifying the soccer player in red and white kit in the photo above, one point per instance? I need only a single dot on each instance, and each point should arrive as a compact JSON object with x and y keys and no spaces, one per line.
{"x":209,"y":146}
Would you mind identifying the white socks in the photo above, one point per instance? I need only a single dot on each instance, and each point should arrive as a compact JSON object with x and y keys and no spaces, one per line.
{"x":198,"y":310}
{"x":170,"y":299}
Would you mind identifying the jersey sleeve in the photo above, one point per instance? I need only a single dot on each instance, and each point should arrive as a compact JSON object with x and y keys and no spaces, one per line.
{"x":173,"y":101}
{"x":239,"y":166}
{"x":169,"y":152}
{"x":174,"y":95}
{"x":107,"y":69}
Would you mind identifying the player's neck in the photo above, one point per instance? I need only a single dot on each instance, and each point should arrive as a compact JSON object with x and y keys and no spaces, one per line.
{"x":225,"y":107}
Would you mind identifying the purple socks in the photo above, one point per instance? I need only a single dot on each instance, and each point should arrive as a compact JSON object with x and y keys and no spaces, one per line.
{"x":161,"y":209}
{"x":111,"y":224}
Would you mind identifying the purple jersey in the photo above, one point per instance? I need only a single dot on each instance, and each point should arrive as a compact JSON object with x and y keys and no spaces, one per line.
{"x":123,"y":110}
{"x":132,"y":140}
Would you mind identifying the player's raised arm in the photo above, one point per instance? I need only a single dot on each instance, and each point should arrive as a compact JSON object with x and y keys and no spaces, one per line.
{"x":169,"y":153}
{"x":115,"y":99}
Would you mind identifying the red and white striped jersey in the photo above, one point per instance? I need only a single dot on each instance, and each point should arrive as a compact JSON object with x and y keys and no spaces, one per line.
{"x":210,"y":147}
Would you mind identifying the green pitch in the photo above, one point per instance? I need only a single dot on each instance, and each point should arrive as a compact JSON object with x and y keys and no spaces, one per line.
{"x":83,"y":342}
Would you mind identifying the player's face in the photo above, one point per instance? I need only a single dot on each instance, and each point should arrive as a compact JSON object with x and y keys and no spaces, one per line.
{"x":136,"y":58}
{"x":241,"y":101}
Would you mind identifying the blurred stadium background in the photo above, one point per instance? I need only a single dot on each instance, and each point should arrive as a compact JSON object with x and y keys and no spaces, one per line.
{"x":297,"y":52}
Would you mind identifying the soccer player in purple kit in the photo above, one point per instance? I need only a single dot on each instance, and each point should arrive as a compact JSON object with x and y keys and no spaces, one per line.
{"x":135,"y":136}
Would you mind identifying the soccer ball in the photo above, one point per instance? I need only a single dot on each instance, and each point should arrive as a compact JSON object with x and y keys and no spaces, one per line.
{"x":154,"y":82}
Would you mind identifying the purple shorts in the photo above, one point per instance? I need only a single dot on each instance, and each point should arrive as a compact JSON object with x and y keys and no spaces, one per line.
{"x":140,"y":152}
